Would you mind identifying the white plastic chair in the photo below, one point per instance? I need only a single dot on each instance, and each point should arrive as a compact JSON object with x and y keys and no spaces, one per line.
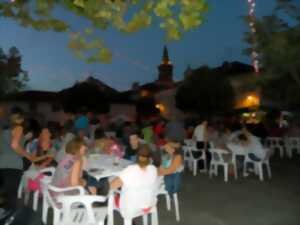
{"x":189,"y":142}
{"x":258,"y":165}
{"x":50,"y":202}
{"x":86,"y":214}
{"x":129,"y":218}
{"x":23,"y":186}
{"x":191,"y":160}
{"x":276,"y":143}
{"x":292,"y":143}
{"x":162,"y":191}
{"x":218,"y":160}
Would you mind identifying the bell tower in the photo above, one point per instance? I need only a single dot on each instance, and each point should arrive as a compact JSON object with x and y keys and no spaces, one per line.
{"x":165,"y":69}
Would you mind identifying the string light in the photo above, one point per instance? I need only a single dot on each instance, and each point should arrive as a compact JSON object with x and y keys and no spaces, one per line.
{"x":251,"y":15}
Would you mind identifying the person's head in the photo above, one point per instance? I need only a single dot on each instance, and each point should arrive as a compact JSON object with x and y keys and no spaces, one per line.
{"x":134,"y":139}
{"x":172,"y":147}
{"x":45,"y":133}
{"x":76,"y":146}
{"x":16,"y":119}
{"x":99,"y":134}
{"x":143,"y":156}
{"x":242,"y":138}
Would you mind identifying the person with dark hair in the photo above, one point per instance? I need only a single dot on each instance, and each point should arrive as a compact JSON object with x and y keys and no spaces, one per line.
{"x":134,"y":143}
{"x":172,"y":166}
{"x":138,"y":183}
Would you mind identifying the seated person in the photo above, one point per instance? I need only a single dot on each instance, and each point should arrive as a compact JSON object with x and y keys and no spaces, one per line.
{"x":138,"y":183}
{"x":69,"y":171}
{"x":134,"y":144}
{"x":172,"y":166}
{"x":44,"y":148}
{"x":106,"y":145}
{"x":256,"y":151}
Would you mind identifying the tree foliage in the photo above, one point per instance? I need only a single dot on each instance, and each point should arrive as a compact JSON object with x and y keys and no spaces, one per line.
{"x":206,"y":92}
{"x":12,"y":76}
{"x":85,"y":96}
{"x":277,"y":41}
{"x":127,"y":16}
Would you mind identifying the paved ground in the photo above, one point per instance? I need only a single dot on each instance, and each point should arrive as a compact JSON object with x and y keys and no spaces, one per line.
{"x":247,"y":201}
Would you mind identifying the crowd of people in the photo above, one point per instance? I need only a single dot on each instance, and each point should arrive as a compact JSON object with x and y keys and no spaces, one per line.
{"x":153,"y":147}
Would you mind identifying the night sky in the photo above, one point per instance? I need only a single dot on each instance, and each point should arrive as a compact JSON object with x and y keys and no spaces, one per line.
{"x":52,"y":66}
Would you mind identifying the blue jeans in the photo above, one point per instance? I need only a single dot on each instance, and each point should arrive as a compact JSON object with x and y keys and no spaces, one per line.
{"x":254,"y":157}
{"x":173,"y":182}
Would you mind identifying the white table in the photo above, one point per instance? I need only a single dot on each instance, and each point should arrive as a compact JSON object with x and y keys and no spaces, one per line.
{"x":104,"y":166}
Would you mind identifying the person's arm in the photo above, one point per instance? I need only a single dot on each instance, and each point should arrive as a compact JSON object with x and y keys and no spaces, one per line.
{"x":116,"y":183}
{"x":176,"y":163}
{"x":17,"y":135}
{"x":75,"y":177}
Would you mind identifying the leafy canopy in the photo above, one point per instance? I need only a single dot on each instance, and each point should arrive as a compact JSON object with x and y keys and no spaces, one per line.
{"x":12,"y":76}
{"x":126,"y":16}
{"x":206,"y":92}
{"x":277,"y":41}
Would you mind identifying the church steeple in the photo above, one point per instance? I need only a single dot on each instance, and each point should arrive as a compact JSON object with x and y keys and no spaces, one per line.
{"x":165,"y":69}
{"x":165,"y":59}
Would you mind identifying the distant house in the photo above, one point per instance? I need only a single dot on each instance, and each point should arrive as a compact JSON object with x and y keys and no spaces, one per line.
{"x":48,"y":106}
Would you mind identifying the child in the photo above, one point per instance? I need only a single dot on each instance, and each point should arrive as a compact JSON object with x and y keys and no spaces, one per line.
{"x":70,"y":169}
{"x":172,"y":166}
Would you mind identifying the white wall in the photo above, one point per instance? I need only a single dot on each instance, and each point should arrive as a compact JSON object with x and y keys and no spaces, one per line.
{"x":167,"y":99}
{"x":123,"y":110}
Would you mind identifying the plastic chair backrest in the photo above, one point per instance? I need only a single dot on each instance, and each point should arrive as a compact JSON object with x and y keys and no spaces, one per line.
{"x":217,"y":154}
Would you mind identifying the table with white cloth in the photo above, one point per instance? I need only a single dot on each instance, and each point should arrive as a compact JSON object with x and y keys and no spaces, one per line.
{"x":101,"y":166}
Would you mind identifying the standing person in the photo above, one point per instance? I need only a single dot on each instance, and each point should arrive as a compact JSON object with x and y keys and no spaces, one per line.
{"x":175,"y":130}
{"x":201,"y":137}
{"x":11,"y":164}
{"x":81,"y":124}
{"x":148,"y":134}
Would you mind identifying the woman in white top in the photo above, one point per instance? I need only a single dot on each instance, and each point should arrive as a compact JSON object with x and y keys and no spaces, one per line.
{"x":139,"y":185}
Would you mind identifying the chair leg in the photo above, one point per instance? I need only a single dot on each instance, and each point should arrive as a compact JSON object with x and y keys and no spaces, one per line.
{"x":269,"y":170}
{"x":245,"y":168}
{"x":145,"y":219}
{"x":45,"y":210}
{"x":260,"y":171}
{"x":281,"y":152}
{"x":289,"y":152}
{"x":110,"y":213}
{"x":20,"y":188}
{"x":211,"y":170}
{"x":176,"y":203}
{"x":205,"y":165}
{"x":226,"y":173}
{"x":56,"y":216}
{"x":168,"y":201}
{"x":195,"y":167}
{"x":35,"y":200}
{"x":26,"y":197}
{"x":154,"y":217}
{"x":127,"y":221}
